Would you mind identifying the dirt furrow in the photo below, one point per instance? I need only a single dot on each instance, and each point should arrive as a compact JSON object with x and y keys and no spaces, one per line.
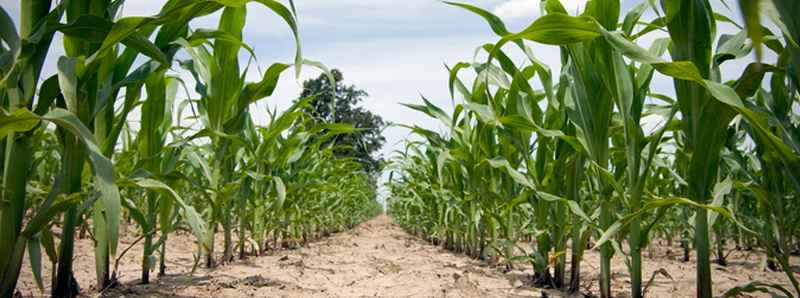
{"x":379,"y":259}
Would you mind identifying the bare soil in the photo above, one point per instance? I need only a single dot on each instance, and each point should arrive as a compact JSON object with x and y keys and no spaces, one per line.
{"x":379,"y":259}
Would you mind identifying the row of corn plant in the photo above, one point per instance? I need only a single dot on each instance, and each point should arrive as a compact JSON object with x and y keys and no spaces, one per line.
{"x":72,"y":162}
{"x":595,"y":153}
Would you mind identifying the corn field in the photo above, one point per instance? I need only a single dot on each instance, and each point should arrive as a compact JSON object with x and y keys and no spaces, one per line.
{"x":72,"y":161}
{"x":593,"y":158}
{"x":147,"y":130}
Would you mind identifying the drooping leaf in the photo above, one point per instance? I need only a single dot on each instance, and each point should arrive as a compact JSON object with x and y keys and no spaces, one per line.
{"x":102,"y":167}
{"x":21,"y":120}
{"x":191,"y":216}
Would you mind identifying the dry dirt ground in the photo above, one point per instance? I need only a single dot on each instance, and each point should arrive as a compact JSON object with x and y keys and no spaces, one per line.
{"x":378,"y":259}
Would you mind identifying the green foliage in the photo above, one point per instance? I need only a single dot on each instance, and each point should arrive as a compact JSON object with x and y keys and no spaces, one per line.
{"x":271,"y":183}
{"x":518,"y":164}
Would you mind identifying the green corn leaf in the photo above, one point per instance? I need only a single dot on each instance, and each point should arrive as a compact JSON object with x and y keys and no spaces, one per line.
{"x":191,"y":216}
{"x":101,"y":236}
{"x":758,"y":287}
{"x":554,"y":6}
{"x":431,"y":110}
{"x":495,"y":76}
{"x":752,"y":22}
{"x":502,"y":163}
{"x":633,"y":16}
{"x":494,"y":21}
{"x":87,"y":27}
{"x":232,"y":3}
{"x":484,"y":112}
{"x":440,"y":161}
{"x":750,"y":80}
{"x":201,"y":36}
{"x":21,"y":120}
{"x":98,"y":29}
{"x":280,"y":190}
{"x":289,"y":18}
{"x":526,"y":125}
{"x":731,"y":47}
{"x":35,"y":258}
{"x":136,"y":214}
{"x":606,"y":12}
{"x":225,"y":81}
{"x":8,"y":31}
{"x":119,"y":31}
{"x":48,"y":92}
{"x":666,"y":202}
{"x":68,"y":69}
{"x":607,"y":177}
{"x":725,"y":19}
{"x":573,"y":206}
{"x":685,"y":70}
{"x":721,"y":190}
{"x":46,"y":239}
{"x":255,"y":91}
{"x":102,"y":167}
{"x":455,"y":82}
{"x":557,"y":29}
{"x":140,"y":43}
{"x":42,"y":218}
{"x":205,"y":168}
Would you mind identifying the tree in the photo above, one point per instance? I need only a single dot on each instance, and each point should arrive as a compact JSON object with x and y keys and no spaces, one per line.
{"x":360,"y":145}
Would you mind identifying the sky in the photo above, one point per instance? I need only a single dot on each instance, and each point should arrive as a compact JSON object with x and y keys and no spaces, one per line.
{"x":395,"y":50}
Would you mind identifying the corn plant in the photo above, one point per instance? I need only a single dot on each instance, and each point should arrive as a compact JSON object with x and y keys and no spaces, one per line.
{"x":113,"y":65}
{"x":594,"y":120}
{"x":225,"y":98}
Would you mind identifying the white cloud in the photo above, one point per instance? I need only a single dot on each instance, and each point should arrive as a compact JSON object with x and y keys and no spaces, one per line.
{"x":517,"y":9}
{"x":514,"y":9}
